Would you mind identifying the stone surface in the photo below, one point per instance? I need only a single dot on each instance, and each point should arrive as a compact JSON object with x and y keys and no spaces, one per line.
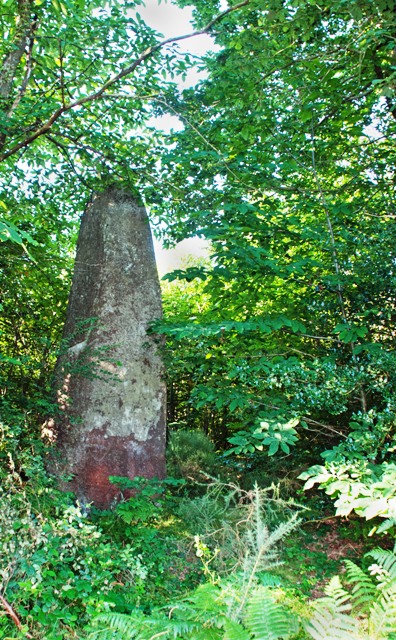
{"x":110,"y":386}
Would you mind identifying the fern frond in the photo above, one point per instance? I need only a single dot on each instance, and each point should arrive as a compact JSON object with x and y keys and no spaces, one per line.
{"x":119,"y":626}
{"x":327,"y":624}
{"x":206,"y":597}
{"x":266,"y":619}
{"x":330,"y":621}
{"x":260,"y":543}
{"x":269,"y":580}
{"x":260,"y":547}
{"x":337,"y":596}
{"x":382,"y":621}
{"x":235,"y":631}
{"x":386,"y":525}
{"x":364,"y":590}
{"x":205,"y":607}
{"x":386,"y":559}
{"x":205,"y":634}
{"x":103,"y":634}
{"x":116,"y":626}
{"x":168,"y":628}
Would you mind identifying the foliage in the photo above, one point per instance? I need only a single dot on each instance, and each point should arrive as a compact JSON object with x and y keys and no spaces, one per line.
{"x":286,"y":165}
{"x":57,"y":568}
{"x":275,"y":434}
{"x":191,"y":455}
{"x":34,"y":295}
{"x":204,"y":616}
{"x":282,"y":343}
{"x":367,"y":489}
{"x":184,"y":302}
{"x":231,"y":525}
{"x":79,"y":83}
{"x":60,"y":570}
{"x":238,"y":608}
{"x":332,"y":617}
{"x":141,"y":512}
{"x":218,"y":605}
{"x":49,"y":59}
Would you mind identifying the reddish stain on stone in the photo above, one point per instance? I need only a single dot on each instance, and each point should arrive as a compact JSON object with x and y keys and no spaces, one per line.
{"x":112,"y":456}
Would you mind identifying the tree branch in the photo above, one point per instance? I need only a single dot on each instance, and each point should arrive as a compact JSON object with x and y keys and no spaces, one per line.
{"x":28,"y":71}
{"x":10,"y":612}
{"x":45,"y":128}
{"x":12,"y":60}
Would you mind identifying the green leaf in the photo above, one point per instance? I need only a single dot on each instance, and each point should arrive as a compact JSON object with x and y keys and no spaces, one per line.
{"x":273,"y":448}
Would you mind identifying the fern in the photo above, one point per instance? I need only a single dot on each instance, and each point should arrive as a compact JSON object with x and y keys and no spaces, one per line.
{"x":206,"y":634}
{"x":266,"y":619}
{"x":206,"y":598}
{"x":377,"y":600}
{"x":330,"y":621}
{"x":364,"y":590}
{"x":387,"y":563}
{"x":327,"y":624}
{"x":261,"y":546}
{"x":205,"y":608}
{"x":116,"y":626}
{"x":239,"y":610}
{"x":335,"y":593}
{"x":228,"y":519}
{"x":235,"y":631}
{"x":270,"y":580}
{"x":119,"y":626}
{"x":385,"y":526}
{"x":382,"y":620}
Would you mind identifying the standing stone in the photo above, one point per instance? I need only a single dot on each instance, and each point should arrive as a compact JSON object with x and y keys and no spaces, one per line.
{"x":110,"y":387}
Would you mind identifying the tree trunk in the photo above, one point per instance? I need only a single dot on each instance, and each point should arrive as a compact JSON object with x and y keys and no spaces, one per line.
{"x":109,"y":376}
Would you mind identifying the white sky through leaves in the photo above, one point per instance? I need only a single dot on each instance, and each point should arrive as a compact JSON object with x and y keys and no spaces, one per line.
{"x":170,"y":20}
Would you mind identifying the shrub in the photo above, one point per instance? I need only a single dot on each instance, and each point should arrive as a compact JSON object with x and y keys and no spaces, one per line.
{"x":191,"y":455}
{"x":57,"y":570}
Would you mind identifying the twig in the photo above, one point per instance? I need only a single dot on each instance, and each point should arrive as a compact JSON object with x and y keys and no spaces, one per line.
{"x":324,"y":426}
{"x":318,"y":520}
{"x":65,"y":151}
{"x":62,"y":75}
{"x":10,"y":612}
{"x":201,"y":135}
{"x":122,"y":74}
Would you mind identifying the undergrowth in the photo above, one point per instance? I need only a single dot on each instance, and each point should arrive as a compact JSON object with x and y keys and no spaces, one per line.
{"x":250,"y":603}
{"x":220,"y":562}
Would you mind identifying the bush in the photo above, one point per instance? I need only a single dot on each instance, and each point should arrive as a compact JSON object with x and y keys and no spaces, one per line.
{"x":228,"y":520}
{"x":191,"y":455}
{"x":57,"y":569}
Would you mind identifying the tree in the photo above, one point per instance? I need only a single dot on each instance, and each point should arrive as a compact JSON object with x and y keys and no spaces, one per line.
{"x":287,"y":165}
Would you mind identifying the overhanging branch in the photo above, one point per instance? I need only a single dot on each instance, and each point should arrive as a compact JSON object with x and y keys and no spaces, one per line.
{"x":45,"y":128}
